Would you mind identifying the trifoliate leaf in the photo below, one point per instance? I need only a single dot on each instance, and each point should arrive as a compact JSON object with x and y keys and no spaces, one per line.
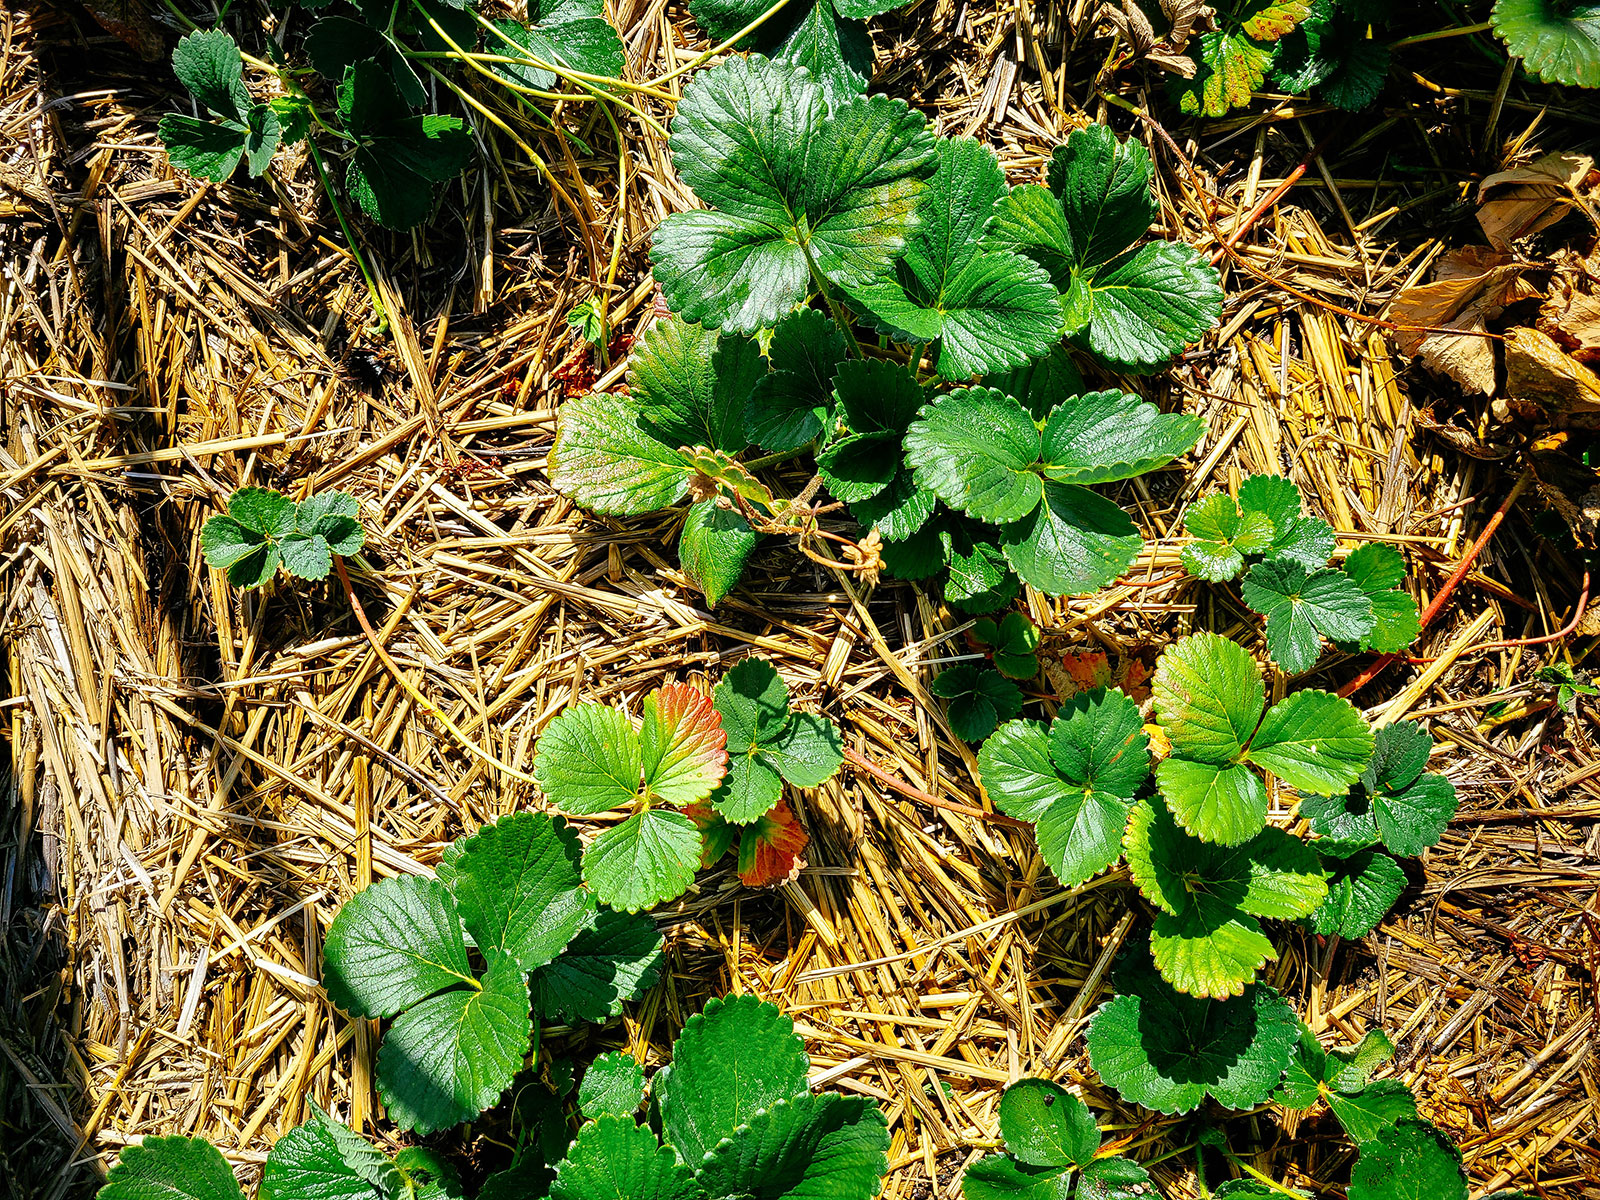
{"x":1146,"y":306}
{"x":518,"y":887}
{"x":1367,"y":1113}
{"x":788,"y":182}
{"x":1167,"y":1051}
{"x":170,"y":1168}
{"x":208,"y":63}
{"x":614,"y":961}
{"x":614,"y":1158}
{"x":1001,"y":1177}
{"x":1361,"y":890}
{"x":1075,"y":781}
{"x":1074,"y":543}
{"x":588,"y":760}
{"x":610,"y":460}
{"x":1409,"y":1160}
{"x":713,"y":546}
{"x":649,"y":858}
{"x":1315,"y":742}
{"x":1306,"y":540}
{"x":1559,"y":42}
{"x":324,"y":1160}
{"x":827,"y":37}
{"x":791,"y":405}
{"x":768,"y":744}
{"x":449,"y":1057}
{"x":803,"y":1146}
{"x":1396,"y":801}
{"x":1223,"y":535}
{"x":987,"y":307}
{"x":335,"y":44}
{"x":1207,"y":941}
{"x":1011,"y":641}
{"x":1044,"y":1125}
{"x":1114,"y":1179}
{"x":975,"y":448}
{"x":568,"y":33}
{"x":393,"y":944}
{"x":612,"y":1086}
{"x":1100,"y":437}
{"x":691,"y":385}
{"x":1103,"y":185}
{"x":399,"y":156}
{"x":737,"y":1057}
{"x":1302,"y":608}
{"x":683,"y":747}
{"x":1378,"y":570}
{"x":1042,"y":383}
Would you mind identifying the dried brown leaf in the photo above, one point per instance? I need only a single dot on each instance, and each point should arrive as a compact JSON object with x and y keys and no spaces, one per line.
{"x":1539,"y":372}
{"x":1513,"y":204}
{"x":1471,"y":287}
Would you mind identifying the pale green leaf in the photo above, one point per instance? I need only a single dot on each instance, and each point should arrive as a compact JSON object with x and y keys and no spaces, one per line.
{"x":614,"y":1158}
{"x":1100,"y":437}
{"x":1044,"y":1125}
{"x":609,"y":461}
{"x":518,"y":887}
{"x":612,"y":1086}
{"x":588,"y":760}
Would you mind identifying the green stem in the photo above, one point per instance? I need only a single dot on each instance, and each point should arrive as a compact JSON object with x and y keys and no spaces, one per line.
{"x":772,"y":460}
{"x":378,"y":310}
{"x":1438,"y":34}
{"x":833,"y":305}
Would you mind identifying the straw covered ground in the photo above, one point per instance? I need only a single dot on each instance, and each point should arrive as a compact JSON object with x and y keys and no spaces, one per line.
{"x":198,"y":777}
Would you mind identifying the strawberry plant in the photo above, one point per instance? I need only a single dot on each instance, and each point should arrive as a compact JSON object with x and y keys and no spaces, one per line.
{"x":321,"y":1158}
{"x":1052,"y":1149}
{"x":1342,"y":1079}
{"x":265,"y":530}
{"x":1557,"y":40}
{"x":850,"y":202}
{"x":977,"y":700}
{"x":1237,"y":56}
{"x":1012,"y":642}
{"x":828,"y":37}
{"x":736,"y":1117}
{"x":734,"y":750}
{"x":512,"y":898}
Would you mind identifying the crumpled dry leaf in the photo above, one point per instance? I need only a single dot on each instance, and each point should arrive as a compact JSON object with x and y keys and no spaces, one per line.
{"x":1539,"y":372}
{"x":1513,"y":204}
{"x":1165,"y":51}
{"x":1571,"y":311}
{"x":1185,"y":15}
{"x":129,"y":20}
{"x":1471,"y":286}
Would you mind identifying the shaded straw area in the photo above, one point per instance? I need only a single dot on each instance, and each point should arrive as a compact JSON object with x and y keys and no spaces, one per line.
{"x":198,"y":777}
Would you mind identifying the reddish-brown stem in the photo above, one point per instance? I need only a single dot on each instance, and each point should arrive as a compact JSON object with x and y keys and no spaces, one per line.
{"x":1577,"y":615}
{"x":1442,"y":597}
{"x":862,"y":763}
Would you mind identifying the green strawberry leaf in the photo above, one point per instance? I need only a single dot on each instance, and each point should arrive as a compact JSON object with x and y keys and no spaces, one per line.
{"x":1075,"y":781}
{"x":1378,"y":570}
{"x":588,"y":760}
{"x":1041,"y":383}
{"x":518,"y":887}
{"x":430,"y":1176}
{"x":1232,"y":66}
{"x":788,"y":183}
{"x":648,"y":859}
{"x":306,"y":557}
{"x":1368,"y":1112}
{"x":332,"y":517}
{"x":170,"y":1168}
{"x":767,"y":744}
{"x":1012,"y":642}
{"x":613,"y":1158}
{"x":691,"y":385}
{"x":1207,"y":940}
{"x":335,"y":44}
{"x":1001,"y":1177}
{"x":1146,"y":306}
{"x":1223,"y":535}
{"x":987,"y":307}
{"x":975,"y":448}
{"x":447,"y":1058}
{"x":1074,"y":543}
{"x":399,"y":156}
{"x":393,"y":944}
{"x":1044,"y":1125}
{"x":1314,"y":741}
{"x":734,"y":1059}
{"x":1397,"y":801}
{"x":324,"y":1159}
{"x":683,"y":748}
{"x":1104,"y":186}
{"x":899,"y":510}
{"x":1306,"y":540}
{"x":229,"y":546}
{"x":1115,"y":1179}
{"x":803,"y":1146}
{"x":1409,"y":1160}
{"x":208,"y":63}
{"x":614,"y":961}
{"x":1557,"y":40}
{"x":827,"y":38}
{"x":1302,"y":608}
{"x":612,"y":1086}
{"x":713,"y":547}
{"x":1167,"y":1051}
{"x":611,"y":460}
{"x":1361,"y":890}
{"x":568,"y":33}
{"x":792,"y":405}
{"x":263,"y":511}
{"x":1100,"y":437}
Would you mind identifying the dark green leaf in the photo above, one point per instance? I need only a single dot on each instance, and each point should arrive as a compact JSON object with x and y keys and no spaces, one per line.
{"x":1301,"y":608}
{"x":791,"y":406}
{"x":800,"y":1148}
{"x":1223,"y":535}
{"x":1361,"y":890}
{"x":207,"y":62}
{"x":615,"y":1159}
{"x":713,"y":547}
{"x":518,"y":887}
{"x":1147,"y":305}
{"x":335,"y":44}
{"x":569,"y":33}
{"x":975,"y":449}
{"x":978,"y":700}
{"x":615,"y":960}
{"x":612,"y":1086}
{"x":1074,"y":543}
{"x":1103,"y":185}
{"x":1409,"y":1160}
{"x":1044,"y":1125}
{"x":1001,"y":1177}
{"x":691,"y":385}
{"x":170,"y":1168}
{"x":1101,"y":437}
{"x":393,"y":944}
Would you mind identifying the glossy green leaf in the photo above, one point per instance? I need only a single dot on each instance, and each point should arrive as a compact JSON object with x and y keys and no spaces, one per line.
{"x":649,"y":858}
{"x":1012,"y":642}
{"x":1073,"y":543}
{"x":1104,"y":186}
{"x":1302,"y":608}
{"x":1361,"y":890}
{"x":1557,"y":41}
{"x":1378,"y":570}
{"x":615,"y":1159}
{"x":826,"y":37}
{"x":518,"y":887}
{"x":170,"y":1168}
{"x":1409,"y":1160}
{"x":615,"y":960}
{"x":568,"y":33}
{"x":1044,"y":1125}
{"x":1369,"y":1112}
{"x":683,"y":747}
{"x":588,"y":760}
{"x":807,"y":1147}
{"x":1315,"y":742}
{"x":612,"y":1086}
{"x":691,"y":385}
{"x":1147,"y":305}
{"x":1001,"y":1177}
{"x":1397,"y":801}
{"x":324,"y":1160}
{"x":1306,"y":540}
{"x":1100,"y":437}
{"x":975,"y":449}
{"x":713,"y":547}
{"x":393,"y":944}
{"x":1224,"y":534}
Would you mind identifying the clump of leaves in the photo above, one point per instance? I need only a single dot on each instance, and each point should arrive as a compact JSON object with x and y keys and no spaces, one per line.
{"x":592,"y":759}
{"x":264,"y":530}
{"x":1343,"y":1079}
{"x":1398,"y":805}
{"x":1012,"y":642}
{"x":235,"y":128}
{"x":1168,"y":1051}
{"x":977,"y":700}
{"x":1050,"y":1136}
{"x":769,"y":743}
{"x":769,"y":1136}
{"x":321,"y":1157}
{"x":828,"y":37}
{"x":511,"y":897}
{"x":1332,"y":52}
{"x":1075,"y":779}
{"x":1237,"y":56}
{"x":1266,"y":520}
{"x":1133,"y":305}
{"x":1211,"y":705}
{"x":1557,"y":40}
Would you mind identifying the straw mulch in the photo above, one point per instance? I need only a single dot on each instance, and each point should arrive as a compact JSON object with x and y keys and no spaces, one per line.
{"x":198,"y":777}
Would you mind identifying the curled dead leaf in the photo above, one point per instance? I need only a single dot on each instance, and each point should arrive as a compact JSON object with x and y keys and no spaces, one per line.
{"x":1571,"y":311}
{"x":1444,"y":322}
{"x":1513,"y":204}
{"x":1539,"y":372}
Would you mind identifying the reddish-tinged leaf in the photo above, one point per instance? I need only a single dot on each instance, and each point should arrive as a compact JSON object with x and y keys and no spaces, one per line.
{"x":769,"y":850}
{"x":685,"y":748}
{"x":718,"y":832}
{"x":1085,"y":670}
